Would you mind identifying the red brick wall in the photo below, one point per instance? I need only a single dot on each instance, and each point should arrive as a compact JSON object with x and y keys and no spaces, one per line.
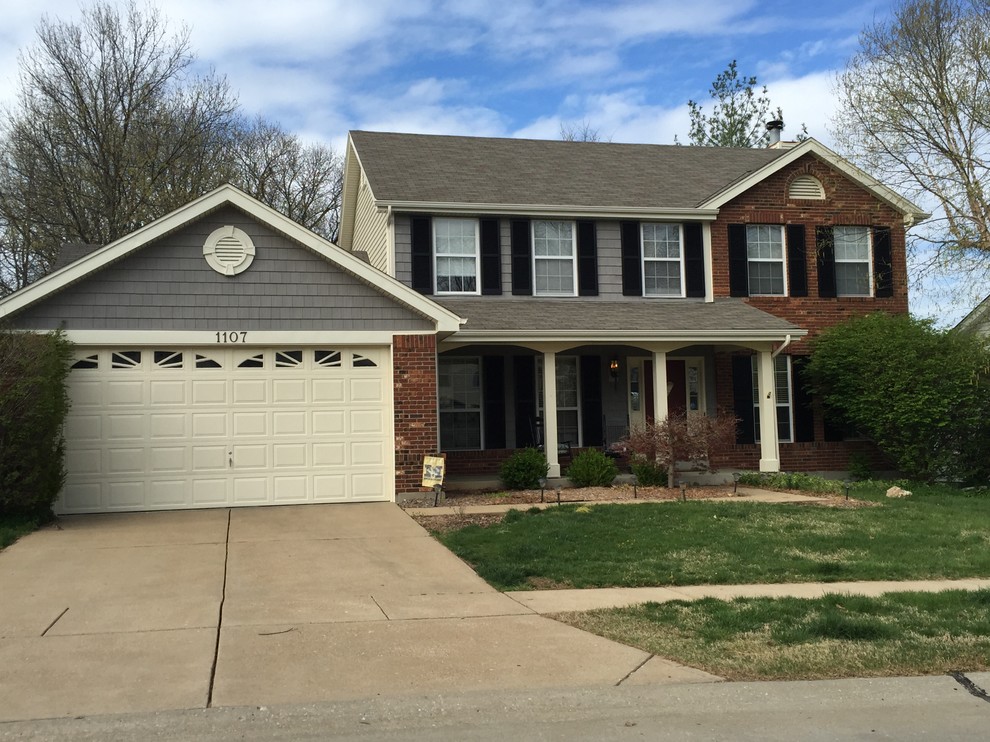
{"x":414,"y":360}
{"x":845,"y":204}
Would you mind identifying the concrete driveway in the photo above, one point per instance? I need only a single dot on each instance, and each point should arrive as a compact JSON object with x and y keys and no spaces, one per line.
{"x":257,"y":606}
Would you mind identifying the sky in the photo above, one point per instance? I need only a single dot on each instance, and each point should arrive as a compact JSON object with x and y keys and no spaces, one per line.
{"x":516,"y":68}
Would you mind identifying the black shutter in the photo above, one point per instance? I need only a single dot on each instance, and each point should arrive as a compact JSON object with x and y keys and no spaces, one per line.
{"x":493,"y":399}
{"x":883,"y":263}
{"x":632,"y":260}
{"x":524,"y":377}
{"x":694,"y":261}
{"x":797,"y":260}
{"x":825,"y":252}
{"x":522,"y":259}
{"x":491,"y":258}
{"x":804,"y":416}
{"x":591,"y":400}
{"x":587,"y":244}
{"x":742,"y":398}
{"x":738,"y":261}
{"x":835,"y":429}
{"x":422,"y":254}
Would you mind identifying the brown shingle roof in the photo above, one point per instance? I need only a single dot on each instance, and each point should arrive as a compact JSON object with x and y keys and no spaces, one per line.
{"x":477,"y":170}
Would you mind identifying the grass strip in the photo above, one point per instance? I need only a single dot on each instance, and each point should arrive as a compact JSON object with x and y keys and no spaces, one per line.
{"x":836,"y":636}
{"x":12,"y":528}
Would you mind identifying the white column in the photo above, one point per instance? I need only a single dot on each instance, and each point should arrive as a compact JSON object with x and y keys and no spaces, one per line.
{"x":706,"y":242}
{"x":661,"y":402}
{"x":550,"y":412}
{"x":769,"y":445}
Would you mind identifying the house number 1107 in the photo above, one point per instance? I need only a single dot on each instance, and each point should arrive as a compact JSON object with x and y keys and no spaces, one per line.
{"x":231,"y":337}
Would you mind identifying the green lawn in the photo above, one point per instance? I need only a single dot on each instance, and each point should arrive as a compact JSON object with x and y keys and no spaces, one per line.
{"x":937,"y":533}
{"x":12,"y":528}
{"x":787,"y":638}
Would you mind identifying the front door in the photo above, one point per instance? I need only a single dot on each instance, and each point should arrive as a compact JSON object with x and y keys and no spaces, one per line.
{"x":683,"y":388}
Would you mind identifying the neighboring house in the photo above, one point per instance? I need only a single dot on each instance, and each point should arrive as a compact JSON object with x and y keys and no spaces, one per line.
{"x":518,"y":293}
{"x":977,"y":321}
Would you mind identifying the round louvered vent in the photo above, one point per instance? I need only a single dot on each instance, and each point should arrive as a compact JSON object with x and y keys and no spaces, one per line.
{"x":806,"y":187}
{"x":229,"y":250}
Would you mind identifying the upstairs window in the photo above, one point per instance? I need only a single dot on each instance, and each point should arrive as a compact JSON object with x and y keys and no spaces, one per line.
{"x":853,"y":272}
{"x":554,"y":264}
{"x":765,"y":256}
{"x":456,"y":247}
{"x":663,"y":265}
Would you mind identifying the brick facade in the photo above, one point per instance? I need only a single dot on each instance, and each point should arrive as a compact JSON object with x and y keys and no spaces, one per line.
{"x":414,"y":362}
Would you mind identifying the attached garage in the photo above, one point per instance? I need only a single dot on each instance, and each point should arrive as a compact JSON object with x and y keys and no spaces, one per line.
{"x":225,"y":356}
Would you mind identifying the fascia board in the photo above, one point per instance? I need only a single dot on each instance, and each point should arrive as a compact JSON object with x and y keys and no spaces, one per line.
{"x":352,"y":185}
{"x":228,"y":194}
{"x":507,"y":337}
{"x":816,"y":148}
{"x":436,"y":207}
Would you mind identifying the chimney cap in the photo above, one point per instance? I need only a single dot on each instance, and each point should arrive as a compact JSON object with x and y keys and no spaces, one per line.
{"x":775,"y":125}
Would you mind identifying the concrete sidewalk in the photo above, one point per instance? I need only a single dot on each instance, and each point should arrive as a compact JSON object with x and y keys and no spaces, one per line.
{"x":562,"y":601}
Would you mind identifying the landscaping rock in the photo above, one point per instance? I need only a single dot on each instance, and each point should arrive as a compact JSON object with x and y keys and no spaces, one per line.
{"x":897,"y":492}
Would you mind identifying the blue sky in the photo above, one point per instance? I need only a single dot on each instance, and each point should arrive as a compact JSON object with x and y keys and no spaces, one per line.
{"x":518,"y":68}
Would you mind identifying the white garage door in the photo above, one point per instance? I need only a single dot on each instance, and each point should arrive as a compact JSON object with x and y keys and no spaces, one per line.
{"x":170,"y":428}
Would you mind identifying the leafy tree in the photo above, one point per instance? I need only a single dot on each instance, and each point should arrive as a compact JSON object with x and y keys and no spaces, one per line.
{"x":111,"y":130}
{"x":921,"y":394}
{"x":739,"y":116}
{"x":914,"y":109}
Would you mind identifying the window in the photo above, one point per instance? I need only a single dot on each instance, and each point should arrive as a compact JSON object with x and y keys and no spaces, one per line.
{"x":663,"y":267}
{"x":782,"y":386}
{"x":765,"y":255}
{"x":555,"y":268}
{"x":853,"y":273}
{"x":459,"y":392}
{"x":568,"y":398}
{"x":455,"y":245}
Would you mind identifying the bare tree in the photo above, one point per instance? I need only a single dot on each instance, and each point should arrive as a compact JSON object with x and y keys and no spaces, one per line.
{"x":581,"y":132}
{"x":304,"y":182}
{"x":914,"y":109}
{"x":739,"y":115}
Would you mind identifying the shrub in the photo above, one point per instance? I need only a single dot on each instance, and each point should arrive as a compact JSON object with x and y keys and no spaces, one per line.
{"x":33,"y":406}
{"x":592,"y":468}
{"x":782,"y":480}
{"x":523,"y":469}
{"x":649,"y":475}
{"x":859,"y":466}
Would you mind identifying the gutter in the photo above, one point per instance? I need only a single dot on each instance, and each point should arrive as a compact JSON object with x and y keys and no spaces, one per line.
{"x":787,"y":341}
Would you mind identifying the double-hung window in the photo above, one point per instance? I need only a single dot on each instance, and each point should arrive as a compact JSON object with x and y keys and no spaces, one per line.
{"x":663,"y":263}
{"x":782,"y":388}
{"x":765,"y":255}
{"x":455,"y":245}
{"x":554,"y":264}
{"x":853,"y":272}
{"x":459,"y":393}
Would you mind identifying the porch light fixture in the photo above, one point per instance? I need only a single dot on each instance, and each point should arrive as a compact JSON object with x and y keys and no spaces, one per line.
{"x":613,"y":369}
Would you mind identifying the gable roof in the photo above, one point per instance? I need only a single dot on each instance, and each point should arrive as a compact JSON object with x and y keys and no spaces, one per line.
{"x":429,"y":172}
{"x":92,"y":261}
{"x":978,"y":320}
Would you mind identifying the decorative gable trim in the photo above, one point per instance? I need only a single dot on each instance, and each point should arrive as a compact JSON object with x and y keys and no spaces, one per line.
{"x":445,"y":320}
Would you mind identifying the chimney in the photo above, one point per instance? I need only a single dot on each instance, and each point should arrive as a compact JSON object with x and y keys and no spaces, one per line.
{"x":773,"y":132}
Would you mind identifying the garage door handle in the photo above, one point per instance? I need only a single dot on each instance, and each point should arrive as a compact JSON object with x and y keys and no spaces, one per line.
{"x":230,"y":459}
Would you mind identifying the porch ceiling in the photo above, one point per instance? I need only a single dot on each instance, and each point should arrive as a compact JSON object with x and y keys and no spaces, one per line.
{"x":501,"y":319}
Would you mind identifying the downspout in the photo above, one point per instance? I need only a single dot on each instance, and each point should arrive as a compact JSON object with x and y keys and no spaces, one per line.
{"x":787,"y":341}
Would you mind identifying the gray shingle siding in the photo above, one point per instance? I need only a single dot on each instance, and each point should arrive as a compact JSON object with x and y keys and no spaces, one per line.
{"x":168,"y":285}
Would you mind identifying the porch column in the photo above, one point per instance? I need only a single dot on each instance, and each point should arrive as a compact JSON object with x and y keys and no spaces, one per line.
{"x":769,"y":445}
{"x":550,"y":412}
{"x":661,"y":395}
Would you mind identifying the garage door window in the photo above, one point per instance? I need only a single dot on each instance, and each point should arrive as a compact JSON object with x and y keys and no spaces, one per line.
{"x":168,"y":359}
{"x":207,"y":362}
{"x":327,"y":358}
{"x":125,"y":359}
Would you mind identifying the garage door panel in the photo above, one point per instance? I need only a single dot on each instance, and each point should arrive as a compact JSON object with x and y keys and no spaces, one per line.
{"x":178,"y":428}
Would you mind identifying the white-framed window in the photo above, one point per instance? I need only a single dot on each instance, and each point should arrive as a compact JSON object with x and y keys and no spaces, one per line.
{"x":663,"y":259}
{"x":455,"y":249}
{"x":568,"y":398}
{"x":554,"y":258}
{"x":853,"y":263}
{"x":459,"y":402}
{"x":765,"y":255}
{"x":782,"y":387}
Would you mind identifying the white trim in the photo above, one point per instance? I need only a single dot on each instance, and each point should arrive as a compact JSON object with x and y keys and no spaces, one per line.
{"x":706,"y":246}
{"x":227,"y":194}
{"x":680,"y":260}
{"x":542,"y":335}
{"x":436,"y":256}
{"x":533,"y":257}
{"x":912,"y":214}
{"x":871,"y":292}
{"x":253,"y":337}
{"x":561,"y":211}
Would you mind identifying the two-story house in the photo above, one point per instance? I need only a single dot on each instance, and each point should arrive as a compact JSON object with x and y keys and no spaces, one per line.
{"x":487,"y":294}
{"x":605,"y":285}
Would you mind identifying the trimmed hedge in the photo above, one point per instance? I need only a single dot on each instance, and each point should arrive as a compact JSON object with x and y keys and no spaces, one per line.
{"x":33,"y":406}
